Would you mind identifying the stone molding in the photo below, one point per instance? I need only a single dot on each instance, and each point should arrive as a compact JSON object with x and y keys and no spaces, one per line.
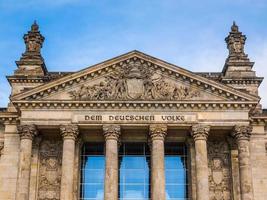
{"x":185,"y":106}
{"x":158,"y":131}
{"x":241,"y":132}
{"x":69,"y":131}
{"x":111,"y":132}
{"x":200,"y":132}
{"x":27,"y":131}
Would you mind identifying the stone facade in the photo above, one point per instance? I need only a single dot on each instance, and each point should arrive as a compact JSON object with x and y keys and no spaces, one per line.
{"x":133,"y":97}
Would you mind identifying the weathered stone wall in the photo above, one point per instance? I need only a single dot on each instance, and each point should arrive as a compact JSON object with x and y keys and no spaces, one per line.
{"x":259,"y":162}
{"x":9,"y":163}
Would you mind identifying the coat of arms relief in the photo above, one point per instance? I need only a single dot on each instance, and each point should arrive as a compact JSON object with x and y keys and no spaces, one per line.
{"x":134,"y":81}
{"x":219,"y":170}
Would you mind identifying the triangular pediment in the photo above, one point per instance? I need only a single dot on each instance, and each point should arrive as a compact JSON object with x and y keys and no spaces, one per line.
{"x":134,"y":77}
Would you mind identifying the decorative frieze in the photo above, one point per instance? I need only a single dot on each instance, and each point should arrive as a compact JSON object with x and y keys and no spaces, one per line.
{"x":50,"y":169}
{"x":200,"y":132}
{"x":27,"y":131}
{"x":111,"y":132}
{"x":158,"y":131}
{"x":220,"y":183}
{"x":69,"y":131}
{"x":134,"y":81}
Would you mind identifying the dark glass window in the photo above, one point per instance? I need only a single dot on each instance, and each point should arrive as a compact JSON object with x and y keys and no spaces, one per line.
{"x":92,"y":171}
{"x":176,"y":171}
{"x":134,"y":170}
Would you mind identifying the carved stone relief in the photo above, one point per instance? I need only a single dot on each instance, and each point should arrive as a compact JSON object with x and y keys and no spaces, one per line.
{"x":50,"y":170}
{"x":134,"y":81}
{"x":219,"y":170}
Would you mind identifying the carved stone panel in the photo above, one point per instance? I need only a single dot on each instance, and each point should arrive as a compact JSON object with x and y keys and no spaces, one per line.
{"x":219,"y":170}
{"x":134,"y":81}
{"x":50,"y":170}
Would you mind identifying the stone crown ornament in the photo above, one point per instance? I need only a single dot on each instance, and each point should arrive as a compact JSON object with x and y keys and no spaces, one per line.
{"x":134,"y":81}
{"x":27,"y":131}
{"x":158,"y":131}
{"x":200,"y":132}
{"x":69,"y":131}
{"x":241,"y":132}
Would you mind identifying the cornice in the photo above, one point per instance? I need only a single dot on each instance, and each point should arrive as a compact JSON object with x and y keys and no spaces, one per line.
{"x":180,"y":105}
{"x":105,"y":67}
{"x":9,"y":117}
{"x":252,"y":80}
{"x":258,"y":120}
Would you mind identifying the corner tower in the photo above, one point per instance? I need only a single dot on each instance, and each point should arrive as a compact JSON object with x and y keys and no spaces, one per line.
{"x":31,"y":70}
{"x":237,"y":71}
{"x":31,"y":61}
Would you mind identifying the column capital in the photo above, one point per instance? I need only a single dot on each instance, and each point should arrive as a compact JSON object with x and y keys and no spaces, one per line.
{"x":241,"y":132}
{"x":27,"y":131}
{"x":111,"y":132}
{"x":69,"y":131}
{"x":200,"y":132}
{"x":158,"y":131}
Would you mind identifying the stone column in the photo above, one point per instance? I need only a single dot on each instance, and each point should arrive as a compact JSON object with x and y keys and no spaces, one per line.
{"x":157,"y":134}
{"x":27,"y":133}
{"x":242,"y":135}
{"x":69,"y":133}
{"x":111,"y":134}
{"x":200,"y":135}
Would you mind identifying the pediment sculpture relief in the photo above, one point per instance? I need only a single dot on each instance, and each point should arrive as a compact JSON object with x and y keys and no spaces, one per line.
{"x":134,"y":81}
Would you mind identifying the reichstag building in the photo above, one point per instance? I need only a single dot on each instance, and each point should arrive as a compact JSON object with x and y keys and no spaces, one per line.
{"x":133,"y":128}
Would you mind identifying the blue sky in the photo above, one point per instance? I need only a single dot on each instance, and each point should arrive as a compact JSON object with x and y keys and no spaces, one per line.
{"x":80,"y":33}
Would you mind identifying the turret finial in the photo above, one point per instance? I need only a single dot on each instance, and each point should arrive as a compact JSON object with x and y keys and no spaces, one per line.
{"x":34,"y":27}
{"x":234,"y":27}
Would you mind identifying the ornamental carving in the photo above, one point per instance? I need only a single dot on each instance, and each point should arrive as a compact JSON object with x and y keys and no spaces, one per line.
{"x":157,"y":131}
{"x":200,"y":132}
{"x":111,"y":132}
{"x":134,"y":81}
{"x":219,"y":170}
{"x":50,"y":170}
{"x":1,"y":147}
{"x":69,"y":131}
{"x":241,"y":132}
{"x":235,"y":42}
{"x":27,"y":131}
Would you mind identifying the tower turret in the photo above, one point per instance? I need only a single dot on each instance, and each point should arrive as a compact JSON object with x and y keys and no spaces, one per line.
{"x":31,"y":61}
{"x":237,"y":71}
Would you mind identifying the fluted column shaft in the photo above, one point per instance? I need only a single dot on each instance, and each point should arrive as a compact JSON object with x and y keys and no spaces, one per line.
{"x":242,"y":135}
{"x":200,"y":135}
{"x":69,"y":134}
{"x":111,"y":134}
{"x":27,"y":133}
{"x":157,"y":135}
